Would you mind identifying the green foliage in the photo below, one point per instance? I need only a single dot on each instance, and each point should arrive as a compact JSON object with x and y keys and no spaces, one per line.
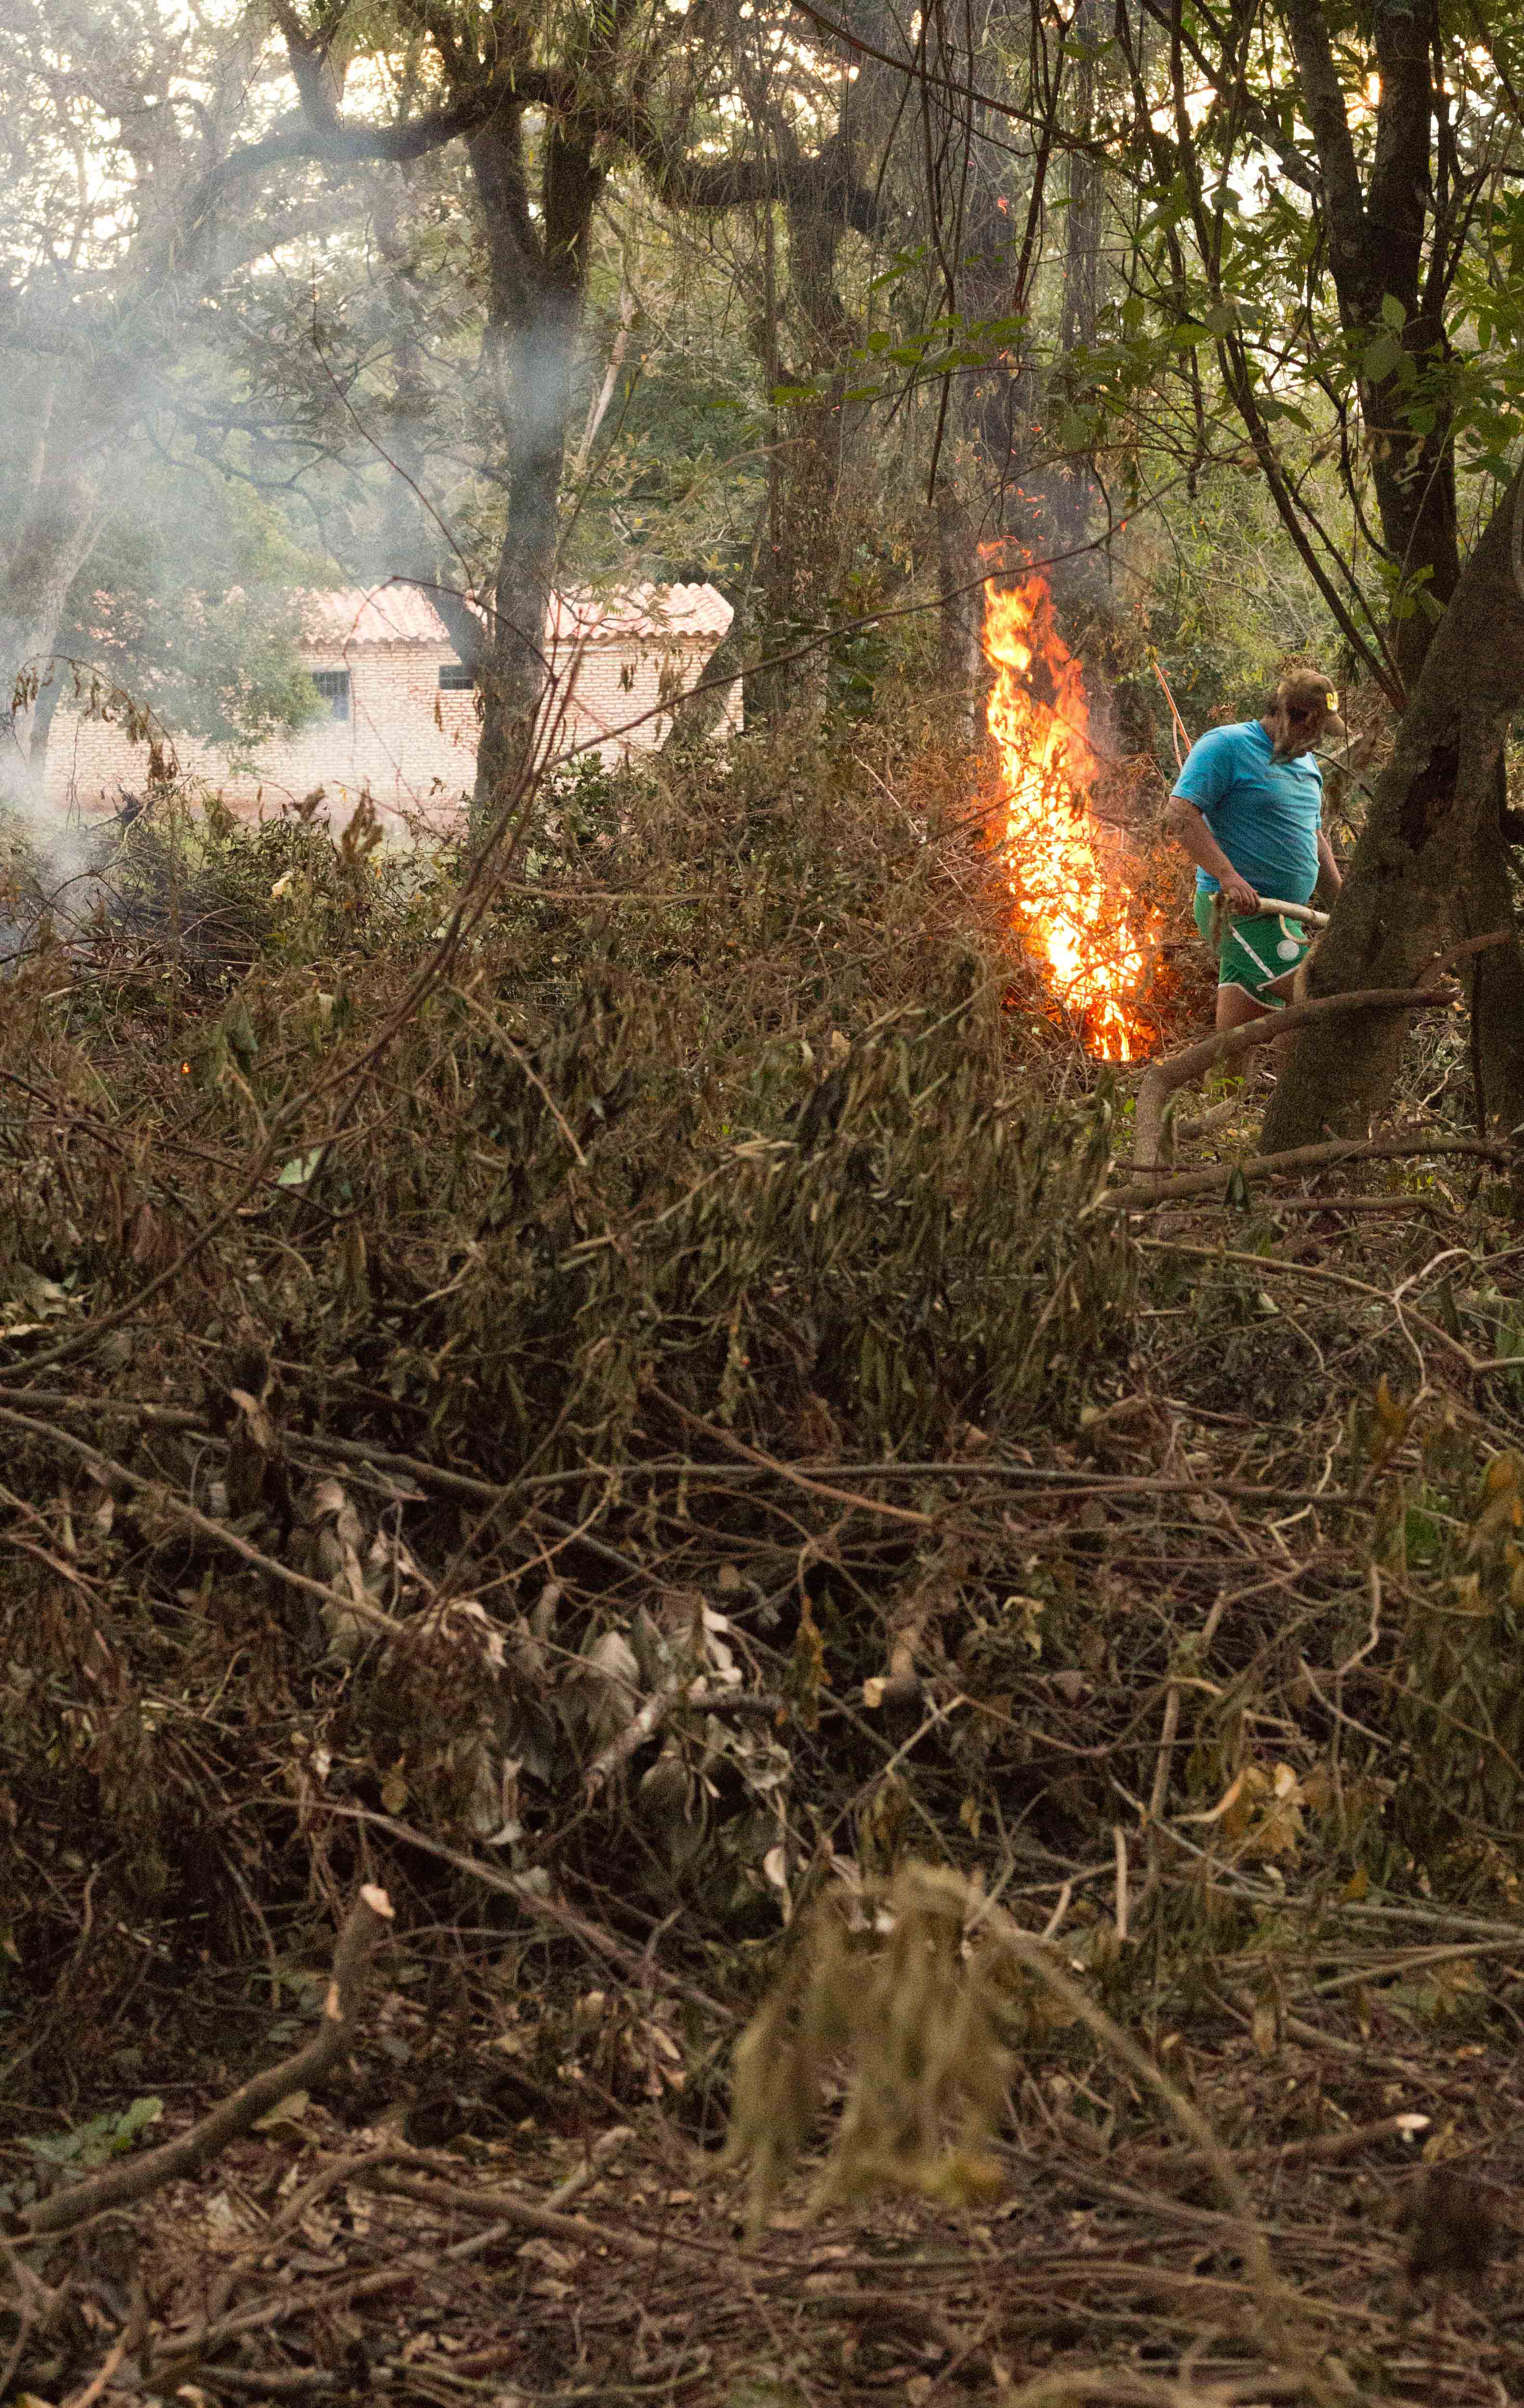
{"x":201,"y":626}
{"x":99,"y":2140}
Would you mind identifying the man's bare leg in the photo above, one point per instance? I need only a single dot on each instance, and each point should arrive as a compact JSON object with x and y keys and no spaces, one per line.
{"x":1236,"y":1010}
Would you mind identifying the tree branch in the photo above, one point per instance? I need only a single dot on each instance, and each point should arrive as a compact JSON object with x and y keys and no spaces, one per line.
{"x":684,"y":183}
{"x":1322,"y":104}
{"x":1162,"y":1078}
{"x":1333,"y":1150}
{"x":367,"y":1919}
{"x":339,"y":143}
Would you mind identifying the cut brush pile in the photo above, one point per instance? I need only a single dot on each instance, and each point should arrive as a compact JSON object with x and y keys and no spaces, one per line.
{"x":629,"y":1432}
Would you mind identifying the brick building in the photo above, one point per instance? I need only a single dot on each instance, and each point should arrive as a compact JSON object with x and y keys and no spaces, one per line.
{"x":398,"y":716}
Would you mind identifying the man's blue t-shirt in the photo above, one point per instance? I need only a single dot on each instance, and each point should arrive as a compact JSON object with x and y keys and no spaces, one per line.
{"x":1265,"y":814}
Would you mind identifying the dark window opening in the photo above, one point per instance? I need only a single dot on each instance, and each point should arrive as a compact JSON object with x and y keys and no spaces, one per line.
{"x":334,"y":689}
{"x":455,"y":677}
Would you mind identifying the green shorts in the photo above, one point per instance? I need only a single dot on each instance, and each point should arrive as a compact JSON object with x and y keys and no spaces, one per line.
{"x":1254,"y":952}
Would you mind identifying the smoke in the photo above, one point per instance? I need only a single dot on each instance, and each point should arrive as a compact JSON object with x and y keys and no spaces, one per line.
{"x":51,"y":863}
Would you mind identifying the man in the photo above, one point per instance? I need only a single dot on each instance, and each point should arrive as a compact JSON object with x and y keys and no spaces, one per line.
{"x":1248,"y":808}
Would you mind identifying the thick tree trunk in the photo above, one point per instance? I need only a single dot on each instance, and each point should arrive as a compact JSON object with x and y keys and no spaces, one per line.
{"x":801,"y":562}
{"x":1377,"y":236}
{"x":817,"y":443}
{"x":1427,"y":869}
{"x":537,"y":280}
{"x":514,"y":670}
{"x":1495,"y":979}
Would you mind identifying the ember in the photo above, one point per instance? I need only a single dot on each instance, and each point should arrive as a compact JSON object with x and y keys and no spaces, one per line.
{"x":1078,"y":930}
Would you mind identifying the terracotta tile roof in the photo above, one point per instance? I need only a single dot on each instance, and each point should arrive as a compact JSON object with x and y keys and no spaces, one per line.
{"x":680,"y":612}
{"x":395,"y":613}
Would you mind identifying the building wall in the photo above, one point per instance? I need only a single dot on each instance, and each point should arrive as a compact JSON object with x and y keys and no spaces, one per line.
{"x":410,"y":746}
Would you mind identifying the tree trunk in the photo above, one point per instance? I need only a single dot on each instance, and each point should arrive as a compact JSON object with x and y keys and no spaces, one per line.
{"x":961,"y":618}
{"x":806,"y":549}
{"x":1376,"y":241}
{"x":534,"y":318}
{"x":801,"y":553}
{"x":40,"y":560}
{"x":799,"y":562}
{"x":1377,"y":235}
{"x":1495,"y":979}
{"x":1082,"y":270}
{"x":1429,"y":866}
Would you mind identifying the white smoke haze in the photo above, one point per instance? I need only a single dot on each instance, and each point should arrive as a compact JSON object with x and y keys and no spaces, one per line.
{"x":218,"y":389}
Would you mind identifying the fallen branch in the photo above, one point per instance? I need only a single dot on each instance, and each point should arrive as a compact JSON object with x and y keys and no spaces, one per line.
{"x":639,"y":1728}
{"x":1161,"y":1079}
{"x":367,"y":1919}
{"x":638,"y":1968}
{"x":1281,"y":2315}
{"x":186,"y":2355}
{"x":338,"y":2170}
{"x":1323,"y":1277}
{"x":753,"y":1454}
{"x":1317,"y":2148}
{"x":1158,"y":1190}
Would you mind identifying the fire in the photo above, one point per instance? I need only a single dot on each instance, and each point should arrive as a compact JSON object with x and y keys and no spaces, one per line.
{"x":1094,"y":959}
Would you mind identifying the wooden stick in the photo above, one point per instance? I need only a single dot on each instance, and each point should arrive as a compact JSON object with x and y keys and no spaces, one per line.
{"x":1269,"y":909}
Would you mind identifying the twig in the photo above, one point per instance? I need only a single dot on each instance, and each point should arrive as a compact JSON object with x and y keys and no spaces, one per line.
{"x":602,"y":2149}
{"x":1319,"y":2148}
{"x":1166,"y":1753}
{"x":683,"y":1689}
{"x":1322,"y":1276}
{"x":367,"y":1919}
{"x":639,"y":1728}
{"x":505,"y":2208}
{"x":786,"y":1472}
{"x":338,"y":2170}
{"x":535,"y":1902}
{"x":1278,"y":2306}
{"x":322,"y":1445}
{"x":35,"y":2305}
{"x":186,"y":2353}
{"x":89,"y":2392}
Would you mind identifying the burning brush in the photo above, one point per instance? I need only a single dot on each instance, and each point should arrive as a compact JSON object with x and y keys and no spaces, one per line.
{"x":1071,"y":923}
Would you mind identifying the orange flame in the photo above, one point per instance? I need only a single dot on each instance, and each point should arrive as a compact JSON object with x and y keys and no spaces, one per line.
{"x":1081,"y":932}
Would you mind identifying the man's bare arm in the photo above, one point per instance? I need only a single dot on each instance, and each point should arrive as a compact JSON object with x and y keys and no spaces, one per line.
{"x":1328,"y":863}
{"x":1189,"y":828}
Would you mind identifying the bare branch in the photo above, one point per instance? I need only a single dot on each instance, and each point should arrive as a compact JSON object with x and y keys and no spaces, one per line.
{"x":367,"y":1919}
